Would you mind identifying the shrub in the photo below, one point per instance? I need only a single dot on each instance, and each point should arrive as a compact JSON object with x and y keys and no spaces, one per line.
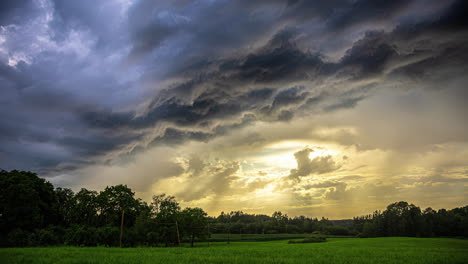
{"x":18,"y":238}
{"x":369,"y":230}
{"x":47,"y":237}
{"x":130,"y":237}
{"x":337,"y":230}
{"x":313,"y":239}
{"x":108,"y":236}
{"x":152,"y":238}
{"x":81,"y":236}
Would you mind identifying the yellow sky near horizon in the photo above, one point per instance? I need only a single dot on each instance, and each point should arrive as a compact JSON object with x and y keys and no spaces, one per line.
{"x":336,"y":168}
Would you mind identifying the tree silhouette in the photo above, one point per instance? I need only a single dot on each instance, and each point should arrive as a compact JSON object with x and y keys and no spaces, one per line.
{"x":117,"y":200}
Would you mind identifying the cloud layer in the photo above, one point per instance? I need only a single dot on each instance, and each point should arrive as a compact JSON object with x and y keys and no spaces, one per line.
{"x":108,"y":87}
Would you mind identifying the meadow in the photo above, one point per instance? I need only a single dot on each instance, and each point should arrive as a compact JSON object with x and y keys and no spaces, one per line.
{"x":336,"y":250}
{"x":254,"y":237}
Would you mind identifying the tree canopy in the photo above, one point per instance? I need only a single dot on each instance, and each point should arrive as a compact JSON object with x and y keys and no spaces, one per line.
{"x":33,"y":213}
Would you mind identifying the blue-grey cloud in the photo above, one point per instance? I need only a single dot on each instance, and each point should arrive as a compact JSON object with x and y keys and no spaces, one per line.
{"x":84,"y":82}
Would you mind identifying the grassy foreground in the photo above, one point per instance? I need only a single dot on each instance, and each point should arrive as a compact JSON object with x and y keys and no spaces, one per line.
{"x":254,"y":237}
{"x":337,"y":250}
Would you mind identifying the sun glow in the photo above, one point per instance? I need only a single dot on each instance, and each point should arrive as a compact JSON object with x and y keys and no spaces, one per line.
{"x":281,"y":154}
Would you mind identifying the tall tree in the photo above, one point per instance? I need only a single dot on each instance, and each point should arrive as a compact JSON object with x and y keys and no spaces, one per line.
{"x":26,"y":201}
{"x":65,"y":205}
{"x":85,"y":208}
{"x":166,"y":209}
{"x":118,"y":200}
{"x":194,"y":223}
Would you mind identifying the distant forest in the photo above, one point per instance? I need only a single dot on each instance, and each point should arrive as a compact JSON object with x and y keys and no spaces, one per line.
{"x":34,"y":213}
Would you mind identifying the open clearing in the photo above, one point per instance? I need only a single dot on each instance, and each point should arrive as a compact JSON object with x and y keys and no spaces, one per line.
{"x":336,"y":250}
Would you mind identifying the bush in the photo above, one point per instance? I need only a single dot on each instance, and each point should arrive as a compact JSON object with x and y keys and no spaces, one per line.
{"x":130,"y":237}
{"x":81,"y":236}
{"x":292,"y":229}
{"x":337,"y":230}
{"x":47,"y":237}
{"x":313,"y":239}
{"x":108,"y":236}
{"x":18,"y":238}
{"x":369,"y":230}
{"x":151,"y":238}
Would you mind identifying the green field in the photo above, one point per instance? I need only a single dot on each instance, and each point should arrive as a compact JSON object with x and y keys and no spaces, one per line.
{"x":254,"y":237}
{"x":336,"y":250}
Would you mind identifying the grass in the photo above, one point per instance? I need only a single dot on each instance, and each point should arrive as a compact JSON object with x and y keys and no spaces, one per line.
{"x":312,"y":239}
{"x":262,"y":237}
{"x":336,"y":250}
{"x":254,"y":237}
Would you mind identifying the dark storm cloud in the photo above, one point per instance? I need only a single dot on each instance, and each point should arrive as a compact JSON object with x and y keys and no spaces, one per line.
{"x":102,"y":18}
{"x":369,"y":55}
{"x":451,"y":20}
{"x":289,"y":96}
{"x":225,"y":92}
{"x":344,"y":103}
{"x":200,"y":29}
{"x":338,"y":13}
{"x":235,"y":87}
{"x":14,"y":78}
{"x":71,"y":71}
{"x":174,"y":136}
{"x":281,"y":63}
{"x":355,"y":12}
{"x":12,"y":11}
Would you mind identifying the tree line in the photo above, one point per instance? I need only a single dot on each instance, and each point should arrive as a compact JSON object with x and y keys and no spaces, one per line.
{"x":34,"y":213}
{"x":403,"y":219}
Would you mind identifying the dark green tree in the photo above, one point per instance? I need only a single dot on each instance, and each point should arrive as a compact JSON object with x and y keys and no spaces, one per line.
{"x":84,"y":208}
{"x":27,"y":202}
{"x":118,"y":201}
{"x":65,"y":205}
{"x":166,"y":209}
{"x":193,"y":222}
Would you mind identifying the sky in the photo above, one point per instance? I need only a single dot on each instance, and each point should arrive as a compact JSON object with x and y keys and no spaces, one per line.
{"x":327,"y":108}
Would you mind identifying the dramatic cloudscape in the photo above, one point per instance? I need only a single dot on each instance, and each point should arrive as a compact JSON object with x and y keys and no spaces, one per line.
{"x":323,"y":108}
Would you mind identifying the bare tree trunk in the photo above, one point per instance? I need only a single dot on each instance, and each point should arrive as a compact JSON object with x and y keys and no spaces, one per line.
{"x":191,"y":240}
{"x":178,"y":236}
{"x":121,"y":228}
